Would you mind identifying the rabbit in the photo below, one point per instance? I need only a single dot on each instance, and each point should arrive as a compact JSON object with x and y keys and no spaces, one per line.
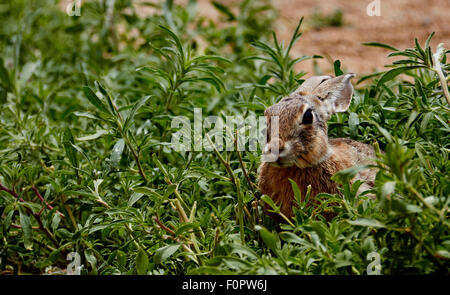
{"x":302,"y":150}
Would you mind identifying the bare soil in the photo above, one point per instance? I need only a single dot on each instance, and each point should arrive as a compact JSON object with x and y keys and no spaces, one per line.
{"x":399,"y":23}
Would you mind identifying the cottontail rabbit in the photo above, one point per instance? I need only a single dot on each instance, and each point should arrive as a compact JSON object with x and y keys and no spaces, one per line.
{"x":302,"y":150}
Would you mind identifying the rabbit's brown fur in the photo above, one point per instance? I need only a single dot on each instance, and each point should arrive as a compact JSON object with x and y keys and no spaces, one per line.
{"x":302,"y":150}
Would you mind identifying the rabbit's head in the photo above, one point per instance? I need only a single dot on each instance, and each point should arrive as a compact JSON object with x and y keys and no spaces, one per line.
{"x":297,"y":131}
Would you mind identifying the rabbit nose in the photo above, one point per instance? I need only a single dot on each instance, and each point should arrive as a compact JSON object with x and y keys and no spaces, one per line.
{"x":275,"y":149}
{"x":272,"y":150}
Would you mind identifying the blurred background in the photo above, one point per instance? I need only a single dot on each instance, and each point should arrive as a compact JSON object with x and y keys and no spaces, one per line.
{"x":336,"y":28}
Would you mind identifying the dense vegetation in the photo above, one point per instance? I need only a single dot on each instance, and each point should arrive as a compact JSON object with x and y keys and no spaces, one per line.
{"x":86,"y":164}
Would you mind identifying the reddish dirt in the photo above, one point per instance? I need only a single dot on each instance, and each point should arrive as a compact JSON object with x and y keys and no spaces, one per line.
{"x":399,"y":23}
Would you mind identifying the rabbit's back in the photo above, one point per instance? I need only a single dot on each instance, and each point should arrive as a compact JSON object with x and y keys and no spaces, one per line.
{"x":352,"y":151}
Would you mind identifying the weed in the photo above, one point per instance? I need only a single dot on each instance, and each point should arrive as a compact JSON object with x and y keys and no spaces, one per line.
{"x":86,"y":163}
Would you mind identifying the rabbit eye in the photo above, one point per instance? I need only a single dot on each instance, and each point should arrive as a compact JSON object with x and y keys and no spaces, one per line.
{"x":307,"y":117}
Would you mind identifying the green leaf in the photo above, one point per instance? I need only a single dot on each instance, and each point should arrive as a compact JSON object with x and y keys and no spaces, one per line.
{"x":121,"y":259}
{"x":160,"y":166}
{"x":106,"y":94}
{"x":427,"y":43}
{"x":81,"y":151}
{"x":133,"y":111}
{"x":55,"y":221}
{"x":186,"y":227}
{"x":94,"y":100}
{"x":296,"y":190}
{"x":169,"y":190}
{"x":93,"y":136}
{"x":344,"y":176}
{"x":207,"y":172}
{"x":167,"y":12}
{"x":203,"y":58}
{"x":269,"y":238}
{"x":202,"y":270}
{"x":27,"y":71}
{"x":225,"y":10}
{"x":293,"y":238}
{"x":383,"y":131}
{"x":426,"y":119}
{"x":63,"y":234}
{"x":403,"y":207}
{"x":420,"y":50}
{"x":165,"y":252}
{"x":213,"y":80}
{"x":8,"y":219}
{"x":388,"y":188}
{"x":175,"y":39}
{"x":90,"y":258}
{"x":367,"y":222}
{"x":295,"y":36}
{"x":343,"y":259}
{"x":86,"y":115}
{"x":353,"y":122}
{"x":134,"y":198}
{"x":366,"y":77}
{"x":391,"y":74}
{"x":382,"y":45}
{"x":148,"y":192}
{"x":141,"y":262}
{"x":117,"y":151}
{"x":268,"y":200}
{"x":243,"y":251}
{"x":412,"y":117}
{"x":337,"y":68}
{"x":4,"y":76}
{"x":26,"y":229}
{"x":71,"y":152}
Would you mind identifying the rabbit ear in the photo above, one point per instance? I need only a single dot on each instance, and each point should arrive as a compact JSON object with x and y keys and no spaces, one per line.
{"x":310,"y":84}
{"x":336,"y":93}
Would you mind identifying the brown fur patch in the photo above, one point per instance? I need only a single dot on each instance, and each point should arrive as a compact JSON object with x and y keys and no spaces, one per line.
{"x":274,"y":181}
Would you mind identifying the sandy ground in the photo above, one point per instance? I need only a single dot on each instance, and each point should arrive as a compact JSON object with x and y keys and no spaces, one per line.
{"x":400,"y":21}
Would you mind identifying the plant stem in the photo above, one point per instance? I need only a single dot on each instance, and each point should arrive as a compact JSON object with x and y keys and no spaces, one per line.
{"x":222,"y":160}
{"x":240,"y":211}
{"x":244,"y":170}
{"x":128,"y":143}
{"x":237,"y":184}
{"x":428,"y":205}
{"x":36,"y":216}
{"x":33,"y":187}
{"x":135,"y":156}
{"x":437,"y":67}
{"x":185,"y":247}
{"x":69,"y":211}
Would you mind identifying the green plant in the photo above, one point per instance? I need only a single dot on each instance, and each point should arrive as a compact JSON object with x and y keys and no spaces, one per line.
{"x":86,"y":163}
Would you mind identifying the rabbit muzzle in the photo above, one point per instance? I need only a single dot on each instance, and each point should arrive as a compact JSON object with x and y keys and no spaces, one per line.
{"x":279,"y":153}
